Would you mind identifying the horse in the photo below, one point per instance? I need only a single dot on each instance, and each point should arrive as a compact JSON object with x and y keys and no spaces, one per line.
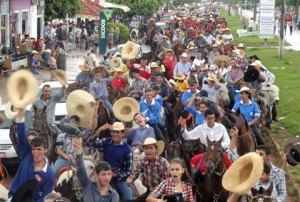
{"x":222,"y":97}
{"x":44,"y":129}
{"x":246,"y":141}
{"x":68,"y":184}
{"x":210,"y":186}
{"x":178,"y":48}
{"x":262,"y":195}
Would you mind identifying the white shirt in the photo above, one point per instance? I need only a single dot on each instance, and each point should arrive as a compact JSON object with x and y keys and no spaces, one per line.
{"x":91,"y":59}
{"x":198,"y":62}
{"x":214,"y":134}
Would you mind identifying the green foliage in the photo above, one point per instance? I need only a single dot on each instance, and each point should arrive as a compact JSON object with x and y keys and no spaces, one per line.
{"x":124,"y":30}
{"x":181,"y":2}
{"x":139,"y":7}
{"x":59,"y":8}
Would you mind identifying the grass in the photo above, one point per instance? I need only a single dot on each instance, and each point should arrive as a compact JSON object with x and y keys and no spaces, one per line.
{"x":234,"y":23}
{"x":288,"y":80}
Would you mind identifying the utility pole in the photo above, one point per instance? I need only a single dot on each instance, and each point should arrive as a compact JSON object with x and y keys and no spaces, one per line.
{"x":281,"y":34}
{"x":229,"y":7}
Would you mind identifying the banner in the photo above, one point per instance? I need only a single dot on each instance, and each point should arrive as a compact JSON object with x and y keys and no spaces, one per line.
{"x":102,"y":33}
{"x":266,"y":18}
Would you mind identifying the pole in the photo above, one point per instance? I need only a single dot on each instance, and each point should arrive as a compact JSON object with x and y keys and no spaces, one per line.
{"x":281,"y":34}
{"x":255,"y":11}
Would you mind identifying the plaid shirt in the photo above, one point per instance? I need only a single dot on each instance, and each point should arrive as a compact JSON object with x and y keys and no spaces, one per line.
{"x":152,"y":174}
{"x":167,"y":187}
{"x":277,"y":177}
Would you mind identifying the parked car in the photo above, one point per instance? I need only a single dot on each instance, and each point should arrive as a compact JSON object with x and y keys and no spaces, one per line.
{"x":8,"y":154}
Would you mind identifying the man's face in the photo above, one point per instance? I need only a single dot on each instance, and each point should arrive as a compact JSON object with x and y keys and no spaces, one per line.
{"x":98,"y":77}
{"x":74,"y":122}
{"x":143,"y":62}
{"x":117,"y":136}
{"x":264,"y":178}
{"x":135,"y":75}
{"x":184,"y":59}
{"x":38,"y":153}
{"x":149,"y":96}
{"x":104,"y":178}
{"x":193,"y":87}
{"x":140,"y":120}
{"x":243,"y":95}
{"x":150,"y":151}
{"x":199,"y":55}
{"x":210,"y":119}
{"x":46,"y":92}
{"x":233,"y":63}
{"x":262,"y":153}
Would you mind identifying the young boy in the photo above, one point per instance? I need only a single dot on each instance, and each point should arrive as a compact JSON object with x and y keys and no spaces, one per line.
{"x":94,"y":191}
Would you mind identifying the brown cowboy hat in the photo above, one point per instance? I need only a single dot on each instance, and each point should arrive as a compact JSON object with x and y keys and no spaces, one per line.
{"x":220,"y":58}
{"x":243,"y":173}
{"x":61,"y":76}
{"x":80,"y":103}
{"x":22,"y":88}
{"x":292,"y":151}
{"x":125,"y":108}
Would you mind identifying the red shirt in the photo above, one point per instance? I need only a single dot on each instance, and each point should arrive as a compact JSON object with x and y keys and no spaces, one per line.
{"x":145,"y":74}
{"x":119,"y":83}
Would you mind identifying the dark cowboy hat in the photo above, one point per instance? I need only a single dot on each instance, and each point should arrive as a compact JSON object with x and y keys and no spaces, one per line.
{"x":251,"y":74}
{"x":292,"y":151}
{"x":25,"y":192}
{"x":254,"y":56}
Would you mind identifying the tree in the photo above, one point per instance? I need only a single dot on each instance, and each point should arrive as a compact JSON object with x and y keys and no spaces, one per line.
{"x":141,"y":7}
{"x":60,"y":8}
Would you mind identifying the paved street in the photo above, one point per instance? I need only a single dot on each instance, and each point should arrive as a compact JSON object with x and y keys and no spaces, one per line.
{"x":293,"y":39}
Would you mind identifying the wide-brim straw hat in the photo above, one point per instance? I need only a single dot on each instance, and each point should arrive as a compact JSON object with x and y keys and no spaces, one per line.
{"x":171,"y":81}
{"x":125,"y":108}
{"x":241,"y":46}
{"x":243,"y":173}
{"x":244,"y":89}
{"x":179,"y":76}
{"x":115,"y":62}
{"x":159,"y":144}
{"x":292,"y":151}
{"x":81,"y":103}
{"x":10,"y":111}
{"x":118,"y":126}
{"x":214,"y":46}
{"x":22,"y":88}
{"x":129,"y":50}
{"x":61,"y":76}
{"x":220,"y":58}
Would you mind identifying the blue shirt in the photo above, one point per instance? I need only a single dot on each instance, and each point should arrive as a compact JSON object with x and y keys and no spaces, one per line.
{"x":158,"y":99}
{"x":183,"y":68}
{"x":45,"y":178}
{"x":35,"y":61}
{"x":199,"y":119}
{"x":186,"y":96}
{"x":151,"y":112}
{"x":84,"y":79}
{"x":249,"y":111}
{"x":99,"y":90}
{"x":118,"y":156}
{"x":138,"y":136}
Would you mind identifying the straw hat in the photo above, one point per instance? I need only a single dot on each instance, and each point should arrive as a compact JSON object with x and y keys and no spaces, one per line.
{"x":80,"y":103}
{"x":171,"y":81}
{"x":179,"y":76}
{"x":159,"y":144}
{"x":244,"y":89}
{"x":184,"y":55}
{"x":115,"y":62}
{"x":211,"y":77}
{"x":118,"y":126}
{"x":241,"y":46}
{"x":292,"y":151}
{"x":170,"y":50}
{"x":3,"y":193}
{"x":153,"y":64}
{"x":214,"y":46}
{"x":61,"y":76}
{"x":129,"y":50}
{"x":219,"y":39}
{"x":10,"y":111}
{"x":220,"y":58}
{"x":84,"y":67}
{"x":243,"y":173}
{"x":125,"y":108}
{"x":22,"y":88}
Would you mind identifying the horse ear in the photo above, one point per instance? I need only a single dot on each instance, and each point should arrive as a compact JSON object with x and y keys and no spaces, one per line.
{"x":254,"y":191}
{"x":268,"y":192}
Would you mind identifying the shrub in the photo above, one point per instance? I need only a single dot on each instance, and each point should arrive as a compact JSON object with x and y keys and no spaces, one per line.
{"x":124,"y":30}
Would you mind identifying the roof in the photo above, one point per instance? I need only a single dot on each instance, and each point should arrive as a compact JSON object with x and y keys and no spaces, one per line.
{"x":90,"y":8}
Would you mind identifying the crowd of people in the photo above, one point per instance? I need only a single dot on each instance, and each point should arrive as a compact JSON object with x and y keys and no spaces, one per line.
{"x":191,"y":77}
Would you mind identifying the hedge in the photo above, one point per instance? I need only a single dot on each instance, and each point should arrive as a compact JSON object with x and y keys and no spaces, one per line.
{"x":124,"y":31}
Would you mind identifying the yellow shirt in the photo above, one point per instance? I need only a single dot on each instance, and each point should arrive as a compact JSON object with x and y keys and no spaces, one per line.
{"x":182,"y":86}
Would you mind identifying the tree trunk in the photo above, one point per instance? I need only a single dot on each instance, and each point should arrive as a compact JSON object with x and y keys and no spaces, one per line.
{"x":297,"y":10}
{"x":229,"y":7}
{"x":255,"y":11}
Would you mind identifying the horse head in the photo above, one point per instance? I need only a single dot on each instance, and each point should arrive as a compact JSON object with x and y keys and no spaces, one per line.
{"x":222,"y":96}
{"x":213,"y":155}
{"x":262,"y":195}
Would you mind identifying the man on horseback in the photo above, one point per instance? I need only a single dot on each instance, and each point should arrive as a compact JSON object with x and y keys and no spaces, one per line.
{"x":48,"y":101}
{"x":84,"y":78}
{"x":34,"y":164}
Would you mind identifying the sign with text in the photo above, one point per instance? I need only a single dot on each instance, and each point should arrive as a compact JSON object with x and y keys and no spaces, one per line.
{"x":266,"y":18}
{"x":102,"y":33}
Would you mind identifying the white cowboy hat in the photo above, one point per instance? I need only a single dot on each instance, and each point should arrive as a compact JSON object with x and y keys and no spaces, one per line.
{"x":80,"y":103}
{"x":10,"y":112}
{"x":129,"y":50}
{"x":184,"y":55}
{"x":118,"y":126}
{"x":153,"y":64}
{"x":125,"y":108}
{"x":115,"y":62}
{"x":22,"y":88}
{"x":159,"y":144}
{"x":243,"y":89}
{"x":61,"y":76}
{"x":243,"y":173}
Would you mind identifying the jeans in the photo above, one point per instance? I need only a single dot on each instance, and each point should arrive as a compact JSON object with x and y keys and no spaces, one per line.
{"x":158,"y":133}
{"x":34,"y":70}
{"x":60,"y":163}
{"x":110,"y":108}
{"x":123,"y":189}
{"x":259,"y":138}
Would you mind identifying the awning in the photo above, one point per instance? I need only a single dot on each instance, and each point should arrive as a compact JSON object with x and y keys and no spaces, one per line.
{"x":113,"y":5}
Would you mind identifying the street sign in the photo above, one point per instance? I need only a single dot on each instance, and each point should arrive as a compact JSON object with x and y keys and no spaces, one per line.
{"x":266,"y":19}
{"x":102,"y":33}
